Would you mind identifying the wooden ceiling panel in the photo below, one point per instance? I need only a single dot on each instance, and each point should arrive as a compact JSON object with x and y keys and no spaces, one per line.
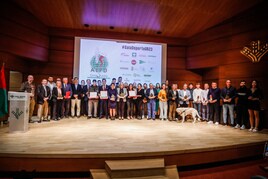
{"x":174,"y":18}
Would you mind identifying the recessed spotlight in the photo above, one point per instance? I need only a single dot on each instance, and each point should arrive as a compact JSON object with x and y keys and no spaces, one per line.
{"x":158,"y":32}
{"x":86,"y":25}
{"x":111,"y":27}
{"x":135,"y":30}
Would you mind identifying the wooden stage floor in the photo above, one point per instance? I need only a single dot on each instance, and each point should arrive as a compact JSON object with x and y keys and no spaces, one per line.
{"x":94,"y":138}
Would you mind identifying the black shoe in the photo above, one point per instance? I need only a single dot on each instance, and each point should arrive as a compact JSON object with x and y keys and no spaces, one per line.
{"x":106,"y":117}
{"x":149,"y":119}
{"x":66,"y":116}
{"x":39,"y":121}
{"x":100,"y":117}
{"x":78,"y":116}
{"x":72,"y":116}
{"x":31,"y":121}
{"x":154,"y":119}
{"x":58,"y":118}
{"x":89,"y":117}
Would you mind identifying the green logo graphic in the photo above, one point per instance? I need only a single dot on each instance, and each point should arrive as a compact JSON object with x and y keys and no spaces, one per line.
{"x":17,"y":114}
{"x":141,"y":61}
{"x":99,"y":63}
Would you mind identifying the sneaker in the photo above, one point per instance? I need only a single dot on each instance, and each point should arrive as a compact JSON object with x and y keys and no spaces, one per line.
{"x":243,"y":127}
{"x":237,"y":126}
{"x":255,"y":130}
{"x":210,"y":122}
{"x":251,"y":129}
{"x":216,"y":123}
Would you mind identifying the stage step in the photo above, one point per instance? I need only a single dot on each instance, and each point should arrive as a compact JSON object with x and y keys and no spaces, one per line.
{"x":99,"y":174}
{"x":171,"y":173}
{"x":135,"y":168}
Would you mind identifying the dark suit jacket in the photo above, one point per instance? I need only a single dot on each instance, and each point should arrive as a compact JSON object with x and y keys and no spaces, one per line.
{"x":170,"y":96}
{"x":147,"y":93}
{"x":55,"y":93}
{"x":67,"y":88}
{"x":77,"y":91}
{"x":41,"y":94}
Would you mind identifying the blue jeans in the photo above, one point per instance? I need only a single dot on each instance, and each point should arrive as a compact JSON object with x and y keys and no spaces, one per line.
{"x":151,"y":108}
{"x":226,"y":108}
{"x":197,"y":106}
{"x":205,"y":112}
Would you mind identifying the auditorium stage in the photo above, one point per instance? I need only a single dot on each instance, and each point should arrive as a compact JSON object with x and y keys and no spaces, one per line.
{"x":80,"y":144}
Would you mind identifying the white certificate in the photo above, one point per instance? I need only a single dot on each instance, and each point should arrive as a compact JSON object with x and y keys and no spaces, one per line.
{"x":93,"y":94}
{"x":132,"y":93}
{"x":103,"y":94}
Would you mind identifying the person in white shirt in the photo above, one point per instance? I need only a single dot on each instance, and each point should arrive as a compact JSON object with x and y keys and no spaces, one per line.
{"x":204,"y":100}
{"x":197,"y":98}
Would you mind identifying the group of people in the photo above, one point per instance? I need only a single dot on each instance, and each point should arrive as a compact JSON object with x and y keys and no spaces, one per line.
{"x":96,"y":99}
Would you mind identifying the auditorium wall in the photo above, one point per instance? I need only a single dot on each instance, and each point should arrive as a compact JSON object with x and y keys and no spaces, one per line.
{"x":215,"y":53}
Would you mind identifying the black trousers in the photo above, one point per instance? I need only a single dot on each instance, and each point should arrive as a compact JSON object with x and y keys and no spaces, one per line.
{"x":66,"y":107}
{"x":57,"y":109}
{"x":242,"y":114}
{"x":103,"y":107}
{"x":214,"y":111}
{"x":121,"y":108}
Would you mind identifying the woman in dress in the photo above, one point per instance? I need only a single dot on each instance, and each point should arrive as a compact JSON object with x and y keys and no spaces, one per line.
{"x":112,"y":96}
{"x":254,"y":106}
{"x":139,"y":103}
{"x":162,"y":96}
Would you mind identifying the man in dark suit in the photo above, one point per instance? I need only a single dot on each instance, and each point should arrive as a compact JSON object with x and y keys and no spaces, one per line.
{"x":43,"y":95}
{"x":85,"y":92}
{"x":67,"y":93}
{"x":173,"y":97}
{"x":103,"y":100}
{"x":76,"y":97}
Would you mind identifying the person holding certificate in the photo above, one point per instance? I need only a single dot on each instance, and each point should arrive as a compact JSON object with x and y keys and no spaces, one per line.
{"x":131,"y":100}
{"x":103,"y":89}
{"x":93,"y":99}
{"x":121,"y":99}
{"x":112,"y":96}
{"x":162,"y":96}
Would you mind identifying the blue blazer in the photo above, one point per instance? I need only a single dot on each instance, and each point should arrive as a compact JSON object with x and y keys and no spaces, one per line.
{"x":67,"y":88}
{"x":147,"y":93}
{"x":181,"y":96}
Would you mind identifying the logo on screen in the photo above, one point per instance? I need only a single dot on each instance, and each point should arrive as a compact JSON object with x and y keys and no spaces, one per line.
{"x":133,"y":62}
{"x":99,"y":63}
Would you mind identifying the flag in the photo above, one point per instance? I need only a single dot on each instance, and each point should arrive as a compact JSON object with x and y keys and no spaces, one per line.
{"x":3,"y":93}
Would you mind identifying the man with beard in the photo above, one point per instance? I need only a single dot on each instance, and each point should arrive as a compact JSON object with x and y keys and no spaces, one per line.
{"x":242,"y":107}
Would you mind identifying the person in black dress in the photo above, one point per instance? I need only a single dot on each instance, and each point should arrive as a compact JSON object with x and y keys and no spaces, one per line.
{"x":112,"y":95}
{"x":139,"y":104}
{"x":254,"y":106}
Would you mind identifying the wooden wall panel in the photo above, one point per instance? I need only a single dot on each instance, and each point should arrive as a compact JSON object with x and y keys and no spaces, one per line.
{"x":216,"y":52}
{"x":61,"y":32}
{"x":22,"y":34}
{"x":250,"y":20}
{"x":22,"y":48}
{"x":61,"y":43}
{"x":175,"y":63}
{"x":227,"y":43}
{"x":65,"y":57}
{"x":176,"y":51}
